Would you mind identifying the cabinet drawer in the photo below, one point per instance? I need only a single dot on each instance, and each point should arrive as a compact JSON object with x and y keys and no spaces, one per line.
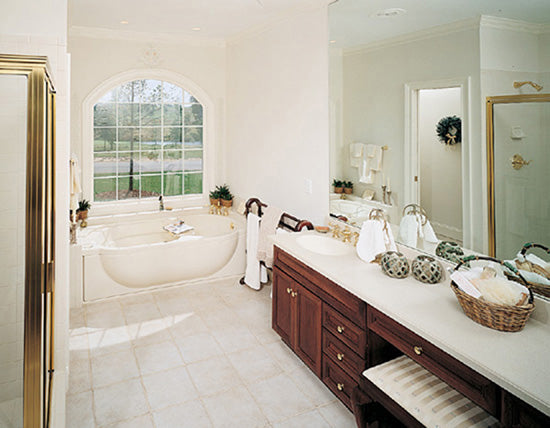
{"x":473,"y":385}
{"x":342,"y":355}
{"x":338,"y":381}
{"x":346,"y":331}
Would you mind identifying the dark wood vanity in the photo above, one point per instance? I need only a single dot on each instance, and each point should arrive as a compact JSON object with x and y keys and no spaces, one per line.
{"x":338,"y":336}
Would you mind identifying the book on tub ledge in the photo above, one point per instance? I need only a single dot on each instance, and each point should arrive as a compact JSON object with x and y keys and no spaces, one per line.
{"x":178,"y":228}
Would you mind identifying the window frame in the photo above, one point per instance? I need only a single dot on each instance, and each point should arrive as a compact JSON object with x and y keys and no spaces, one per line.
{"x":145,"y":204}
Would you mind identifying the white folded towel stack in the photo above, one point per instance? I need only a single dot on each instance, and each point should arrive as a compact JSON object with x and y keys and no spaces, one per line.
{"x":178,"y":228}
{"x":356,"y":154}
{"x":375,"y":238}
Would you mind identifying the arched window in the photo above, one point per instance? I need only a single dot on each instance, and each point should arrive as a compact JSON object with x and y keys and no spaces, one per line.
{"x":148,"y":141}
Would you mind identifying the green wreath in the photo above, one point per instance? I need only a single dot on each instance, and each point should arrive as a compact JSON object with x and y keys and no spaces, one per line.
{"x":449,"y":130}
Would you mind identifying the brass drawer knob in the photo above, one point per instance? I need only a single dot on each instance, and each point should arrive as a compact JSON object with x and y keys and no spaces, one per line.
{"x":289,"y":290}
{"x":294,"y":293}
{"x":340,"y":329}
{"x":418,"y":350}
{"x":340,"y":386}
{"x":340,"y":356}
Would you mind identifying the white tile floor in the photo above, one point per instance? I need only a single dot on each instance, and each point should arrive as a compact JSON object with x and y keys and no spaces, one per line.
{"x":201,"y":355}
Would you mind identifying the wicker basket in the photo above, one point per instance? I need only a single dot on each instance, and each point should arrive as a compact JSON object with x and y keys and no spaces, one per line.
{"x":498,"y":317}
{"x":536,"y":287}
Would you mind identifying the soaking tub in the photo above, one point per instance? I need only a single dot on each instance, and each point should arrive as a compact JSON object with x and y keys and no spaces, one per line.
{"x":133,"y":252}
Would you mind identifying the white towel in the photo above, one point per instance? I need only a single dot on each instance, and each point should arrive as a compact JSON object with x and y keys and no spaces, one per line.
{"x":374,"y":152}
{"x":375,"y":238}
{"x":252,"y":273}
{"x":428,"y":232}
{"x":365,"y":173}
{"x":76,"y":189}
{"x":356,"y":154}
{"x":268,"y":226}
{"x":409,"y":230}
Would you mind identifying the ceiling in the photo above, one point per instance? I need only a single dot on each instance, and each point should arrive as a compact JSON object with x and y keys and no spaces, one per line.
{"x":217,"y":19}
{"x":352,"y":23}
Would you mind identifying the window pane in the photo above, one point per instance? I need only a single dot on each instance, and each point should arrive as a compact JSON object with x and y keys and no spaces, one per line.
{"x":188,"y":98}
{"x":172,"y":93}
{"x":129,"y":92}
{"x":105,"y":164}
{"x":193,"y":114}
{"x":150,"y":185}
{"x":128,"y":139}
{"x":172,"y":184}
{"x":193,"y":160}
{"x":128,"y":187}
{"x":172,"y":114}
{"x":105,"y":189}
{"x":128,"y":163}
{"x":192,"y":184}
{"x":128,"y":114}
{"x":193,"y":137}
{"x":150,"y":162}
{"x":104,"y":114}
{"x":173,"y":160}
{"x":150,"y":139}
{"x":151,"y":91}
{"x":150,"y":114}
{"x":104,"y":139}
{"x":172,"y":138}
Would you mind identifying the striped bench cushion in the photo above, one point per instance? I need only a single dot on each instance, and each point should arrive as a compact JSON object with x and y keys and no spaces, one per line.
{"x":426,"y":397}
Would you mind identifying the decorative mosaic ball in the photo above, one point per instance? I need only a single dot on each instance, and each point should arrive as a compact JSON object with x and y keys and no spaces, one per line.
{"x":449,"y":251}
{"x":427,"y":269}
{"x":395,"y":264}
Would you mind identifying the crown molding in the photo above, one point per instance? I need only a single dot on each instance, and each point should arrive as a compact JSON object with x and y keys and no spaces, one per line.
{"x":513,"y":25}
{"x":290,"y":13}
{"x":139,"y":36}
{"x":440,"y":30}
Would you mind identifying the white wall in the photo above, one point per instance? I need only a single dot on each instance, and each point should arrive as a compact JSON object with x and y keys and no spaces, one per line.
{"x":374,"y":103}
{"x":440,"y":164}
{"x":40,"y":28}
{"x":277,"y":115}
{"x":96,"y":60}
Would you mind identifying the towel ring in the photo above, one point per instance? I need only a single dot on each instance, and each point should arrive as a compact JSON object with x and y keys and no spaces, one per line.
{"x":377,"y":214}
{"x":416,"y":209}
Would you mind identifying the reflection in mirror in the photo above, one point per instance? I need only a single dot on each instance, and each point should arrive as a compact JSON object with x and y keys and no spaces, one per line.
{"x":394,"y":79}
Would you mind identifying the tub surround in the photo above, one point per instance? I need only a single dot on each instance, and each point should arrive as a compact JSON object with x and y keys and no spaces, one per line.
{"x":517,"y":362}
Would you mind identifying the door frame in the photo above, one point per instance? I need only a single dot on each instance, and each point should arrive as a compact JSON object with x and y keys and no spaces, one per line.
{"x":490,"y":102}
{"x":411,"y":147}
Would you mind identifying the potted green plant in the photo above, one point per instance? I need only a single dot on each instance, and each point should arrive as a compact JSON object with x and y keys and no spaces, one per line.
{"x":226,"y":196}
{"x":82,"y":211}
{"x":338,"y":186}
{"x":214,"y":196}
{"x":348,"y":187}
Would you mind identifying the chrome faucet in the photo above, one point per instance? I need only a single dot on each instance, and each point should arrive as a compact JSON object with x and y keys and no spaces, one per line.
{"x":161,"y":203}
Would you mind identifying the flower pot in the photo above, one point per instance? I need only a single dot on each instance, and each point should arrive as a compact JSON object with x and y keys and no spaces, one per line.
{"x":215,"y":202}
{"x":82,"y":215}
{"x":338,"y":189}
{"x":348,"y":190}
{"x":227,"y":204}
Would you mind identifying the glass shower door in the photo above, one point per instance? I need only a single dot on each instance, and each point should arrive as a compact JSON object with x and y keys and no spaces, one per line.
{"x":13,"y":162}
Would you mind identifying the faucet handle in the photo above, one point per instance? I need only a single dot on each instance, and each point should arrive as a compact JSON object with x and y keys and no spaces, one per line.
{"x":336,"y":231}
{"x":346,"y":234}
{"x":355,"y":237}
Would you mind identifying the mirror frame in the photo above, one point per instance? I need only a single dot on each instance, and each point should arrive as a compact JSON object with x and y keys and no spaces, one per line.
{"x":491,"y":101}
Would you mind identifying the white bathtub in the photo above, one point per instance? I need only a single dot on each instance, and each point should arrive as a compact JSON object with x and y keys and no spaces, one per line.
{"x":133,"y":252}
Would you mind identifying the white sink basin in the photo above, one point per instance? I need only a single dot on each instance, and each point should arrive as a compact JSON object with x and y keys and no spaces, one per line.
{"x":323,"y":245}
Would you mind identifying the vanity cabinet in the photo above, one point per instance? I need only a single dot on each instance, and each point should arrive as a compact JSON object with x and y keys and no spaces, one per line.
{"x":321,"y":322}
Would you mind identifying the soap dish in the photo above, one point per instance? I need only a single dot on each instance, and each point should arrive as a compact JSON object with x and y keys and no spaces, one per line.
{"x":322,"y":229}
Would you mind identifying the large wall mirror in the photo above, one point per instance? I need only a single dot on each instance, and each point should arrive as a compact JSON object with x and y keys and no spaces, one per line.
{"x":408,"y":88}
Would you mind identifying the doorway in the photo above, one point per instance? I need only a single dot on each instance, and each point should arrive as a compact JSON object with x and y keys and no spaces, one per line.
{"x":435,"y":164}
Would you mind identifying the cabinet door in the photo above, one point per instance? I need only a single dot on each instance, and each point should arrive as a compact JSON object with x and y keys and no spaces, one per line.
{"x":282,"y":314}
{"x":307,"y":339}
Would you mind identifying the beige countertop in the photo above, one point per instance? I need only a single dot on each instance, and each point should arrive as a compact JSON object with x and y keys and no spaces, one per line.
{"x":518,"y":362}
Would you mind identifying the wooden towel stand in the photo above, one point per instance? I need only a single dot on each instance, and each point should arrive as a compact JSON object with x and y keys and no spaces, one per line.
{"x":288,"y":222}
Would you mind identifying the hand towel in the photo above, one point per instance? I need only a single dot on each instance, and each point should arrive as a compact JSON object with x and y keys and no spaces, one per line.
{"x":365,"y":173}
{"x":409,"y":230}
{"x":252,"y":273}
{"x":428,"y":232}
{"x":356,"y":154}
{"x":374,"y":152}
{"x":268,"y":226}
{"x":375,"y":237}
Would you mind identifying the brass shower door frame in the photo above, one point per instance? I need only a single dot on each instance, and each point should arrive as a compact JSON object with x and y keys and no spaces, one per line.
{"x":491,"y":101}
{"x":39,"y":235}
